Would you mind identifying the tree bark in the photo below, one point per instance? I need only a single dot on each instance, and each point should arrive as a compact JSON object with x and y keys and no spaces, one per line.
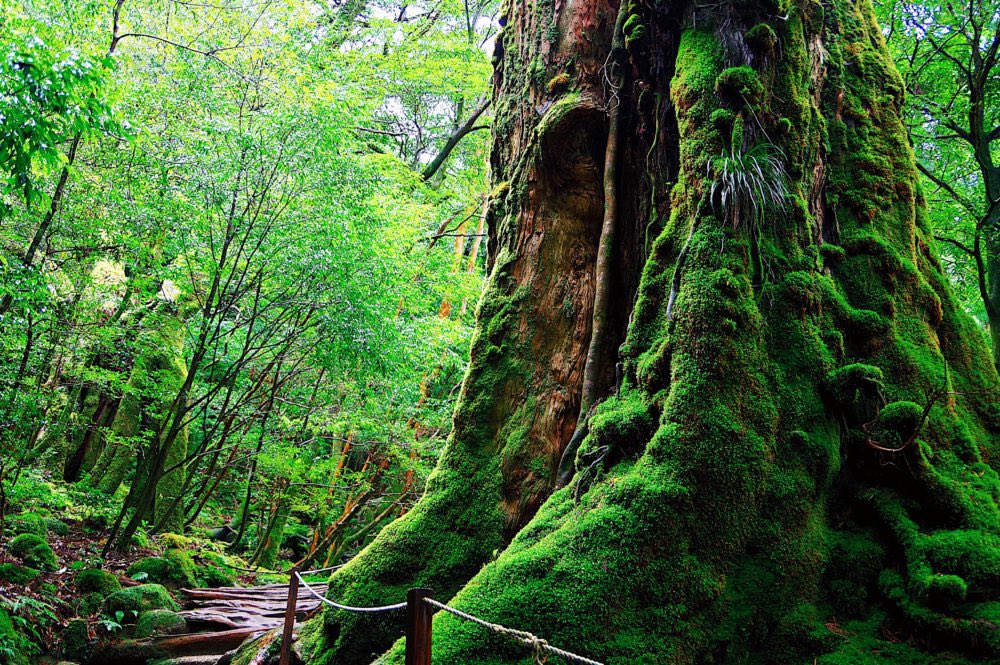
{"x":742,"y":497}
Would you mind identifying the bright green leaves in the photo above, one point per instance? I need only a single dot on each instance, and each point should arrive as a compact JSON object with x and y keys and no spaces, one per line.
{"x":50,"y":95}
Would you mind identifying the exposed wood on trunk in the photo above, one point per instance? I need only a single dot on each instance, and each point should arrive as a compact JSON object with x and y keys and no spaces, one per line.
{"x":603,"y":265}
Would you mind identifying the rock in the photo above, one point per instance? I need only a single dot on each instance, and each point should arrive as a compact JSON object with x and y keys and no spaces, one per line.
{"x":95,"y":580}
{"x":157,"y":623}
{"x":34,"y":552}
{"x":75,"y":642}
{"x":175,"y":569}
{"x":139,"y":599}
{"x":15,"y":574}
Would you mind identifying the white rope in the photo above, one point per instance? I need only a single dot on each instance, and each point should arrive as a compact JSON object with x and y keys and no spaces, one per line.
{"x":537,"y":644}
{"x":348,"y":608}
{"x":317,"y":571}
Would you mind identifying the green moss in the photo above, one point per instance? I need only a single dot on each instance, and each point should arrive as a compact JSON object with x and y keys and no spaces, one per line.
{"x":856,"y":388}
{"x":762,"y":38}
{"x":139,"y":599}
{"x":15,"y":574}
{"x":624,"y":421}
{"x":88,"y":604}
{"x":156,"y":623}
{"x":26,"y":523}
{"x":75,"y":642}
{"x":739,"y":85}
{"x":722,"y":119}
{"x":634,"y":29}
{"x":897,"y":423}
{"x":557,"y":84}
{"x":56,"y":526}
{"x":34,"y":552}
{"x":175,"y":569}
{"x":97,"y":581}
{"x":261,"y":649}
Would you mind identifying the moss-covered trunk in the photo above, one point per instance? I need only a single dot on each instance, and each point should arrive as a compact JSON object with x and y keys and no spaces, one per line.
{"x":798,"y":464}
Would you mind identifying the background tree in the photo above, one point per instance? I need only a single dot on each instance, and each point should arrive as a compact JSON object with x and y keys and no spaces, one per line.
{"x":220,"y":293}
{"x":948,"y":56}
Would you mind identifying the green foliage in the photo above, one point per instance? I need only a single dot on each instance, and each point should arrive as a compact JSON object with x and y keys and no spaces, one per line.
{"x":14,"y":648}
{"x":34,"y":552}
{"x":295,"y":137}
{"x":56,"y":93}
{"x":748,"y":183}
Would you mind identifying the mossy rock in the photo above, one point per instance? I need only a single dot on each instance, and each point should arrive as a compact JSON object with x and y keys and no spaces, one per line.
{"x":175,"y":569}
{"x":140,"y":599}
{"x":15,"y":574}
{"x":96,"y":580}
{"x":75,"y":642}
{"x":156,"y":623}
{"x":56,"y":526}
{"x":33,"y":551}
{"x":215,"y":571}
{"x":259,"y":649}
{"x":214,"y":577}
{"x":26,"y":523}
{"x":89,"y":603}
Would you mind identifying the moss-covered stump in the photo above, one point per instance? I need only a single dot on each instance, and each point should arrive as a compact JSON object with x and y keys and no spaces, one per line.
{"x":34,"y":552}
{"x":175,"y":569}
{"x":135,"y":600}
{"x":15,"y":574}
{"x":157,"y":623}
{"x":795,"y":457}
{"x":95,"y":580}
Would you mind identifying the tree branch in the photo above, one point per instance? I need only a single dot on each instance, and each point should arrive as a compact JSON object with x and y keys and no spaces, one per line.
{"x":459,"y":134}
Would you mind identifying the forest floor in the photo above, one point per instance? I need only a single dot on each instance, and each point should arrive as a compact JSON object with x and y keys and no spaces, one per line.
{"x":62,"y":600}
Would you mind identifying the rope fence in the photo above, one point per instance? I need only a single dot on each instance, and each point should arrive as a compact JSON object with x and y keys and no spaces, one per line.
{"x":418,"y":625}
{"x":537,"y":644}
{"x":349,"y":608}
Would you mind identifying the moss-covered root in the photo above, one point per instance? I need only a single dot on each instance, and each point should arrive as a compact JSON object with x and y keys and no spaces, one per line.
{"x":439,"y":544}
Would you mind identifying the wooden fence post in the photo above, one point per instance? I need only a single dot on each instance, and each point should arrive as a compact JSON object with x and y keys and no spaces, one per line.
{"x":418,"y":627}
{"x":289,"y":627}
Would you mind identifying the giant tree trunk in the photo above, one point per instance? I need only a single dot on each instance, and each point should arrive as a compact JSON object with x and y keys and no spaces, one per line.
{"x":798,"y":463}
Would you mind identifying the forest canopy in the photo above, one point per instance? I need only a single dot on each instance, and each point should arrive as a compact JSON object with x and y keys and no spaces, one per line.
{"x":508,"y":301}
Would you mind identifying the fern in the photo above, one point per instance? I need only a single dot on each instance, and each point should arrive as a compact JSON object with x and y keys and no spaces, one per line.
{"x":746,"y":183}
